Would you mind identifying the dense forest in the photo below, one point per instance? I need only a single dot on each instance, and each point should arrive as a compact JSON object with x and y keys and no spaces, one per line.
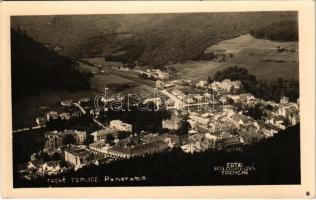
{"x":283,"y":31}
{"x":276,"y":161}
{"x":150,"y":39}
{"x":36,"y":68}
{"x":267,"y":90}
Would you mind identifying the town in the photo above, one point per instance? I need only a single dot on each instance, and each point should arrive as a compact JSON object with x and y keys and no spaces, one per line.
{"x":202,"y":116}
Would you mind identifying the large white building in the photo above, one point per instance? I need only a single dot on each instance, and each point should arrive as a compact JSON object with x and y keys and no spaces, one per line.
{"x":120,"y":126}
{"x":76,"y":156}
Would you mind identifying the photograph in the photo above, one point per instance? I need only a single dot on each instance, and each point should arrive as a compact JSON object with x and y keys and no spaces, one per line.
{"x":155,"y":99}
{"x":182,"y":102}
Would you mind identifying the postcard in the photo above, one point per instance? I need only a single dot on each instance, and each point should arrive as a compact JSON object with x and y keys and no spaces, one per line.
{"x":158,"y":99}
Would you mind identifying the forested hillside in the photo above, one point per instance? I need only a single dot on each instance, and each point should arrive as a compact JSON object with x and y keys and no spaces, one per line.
{"x":36,"y":68}
{"x":155,"y":39}
{"x":284,"y":30}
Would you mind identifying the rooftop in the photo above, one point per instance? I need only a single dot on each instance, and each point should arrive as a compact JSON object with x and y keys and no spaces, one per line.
{"x":104,"y":131}
{"x":244,"y":118}
{"x":76,"y":151}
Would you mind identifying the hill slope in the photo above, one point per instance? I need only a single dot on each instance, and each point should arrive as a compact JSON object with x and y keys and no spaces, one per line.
{"x":36,"y":68}
{"x":156,"y":39}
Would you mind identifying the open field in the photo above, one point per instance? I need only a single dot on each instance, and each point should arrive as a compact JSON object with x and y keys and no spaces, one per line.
{"x":238,"y":44}
{"x":261,"y":57}
{"x":117,"y":81}
{"x":196,"y":70}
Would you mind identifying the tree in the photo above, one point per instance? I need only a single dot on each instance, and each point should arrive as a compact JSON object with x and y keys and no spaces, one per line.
{"x":56,"y":156}
{"x":255,"y":112}
{"x":184,"y":128}
{"x":123,"y":135}
{"x":109,"y":138}
{"x":69,"y":139}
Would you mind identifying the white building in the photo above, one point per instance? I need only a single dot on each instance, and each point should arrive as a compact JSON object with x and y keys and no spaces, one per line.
{"x":243,"y":120}
{"x":160,"y":84}
{"x":162,"y":75}
{"x":201,"y":84}
{"x":101,"y":134}
{"x":51,"y":115}
{"x":120,"y":126}
{"x":172,"y":124}
{"x":99,"y":147}
{"x":226,"y":85}
{"x":66,"y":103}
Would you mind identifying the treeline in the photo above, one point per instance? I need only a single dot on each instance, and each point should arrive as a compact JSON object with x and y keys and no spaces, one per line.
{"x":283,"y":31}
{"x":275,"y":161}
{"x":27,"y":143}
{"x":127,"y":51}
{"x":36,"y":68}
{"x":81,"y":123}
{"x":267,"y":90}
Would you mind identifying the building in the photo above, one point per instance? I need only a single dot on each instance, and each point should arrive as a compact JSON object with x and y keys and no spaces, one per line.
{"x":64,"y":116}
{"x":50,"y":168}
{"x":197,"y":97}
{"x":226,"y":85}
{"x":161,"y":75}
{"x":284,"y":100}
{"x":197,"y":143}
{"x":197,"y":120}
{"x":160,"y":84}
{"x":40,"y":168}
{"x":137,"y":150}
{"x":120,"y":126}
{"x":51,"y":115}
{"x":227,"y":141}
{"x":173,"y":123}
{"x":240,"y":120}
{"x":66,"y":103}
{"x":35,"y":164}
{"x":95,"y":112}
{"x":157,"y":101}
{"x":80,"y":136}
{"x":85,"y":102}
{"x":170,"y":84}
{"x":54,"y":140}
{"x":99,"y":146}
{"x":247,"y":98}
{"x":286,"y":110}
{"x":294,"y":118}
{"x":77,"y":156}
{"x":148,"y":138}
{"x":233,"y":97}
{"x":210,"y":136}
{"x":41,"y":121}
{"x":171,"y":139}
{"x":101,"y":134}
{"x":201,"y":84}
{"x":75,"y":113}
{"x":269,"y":130}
